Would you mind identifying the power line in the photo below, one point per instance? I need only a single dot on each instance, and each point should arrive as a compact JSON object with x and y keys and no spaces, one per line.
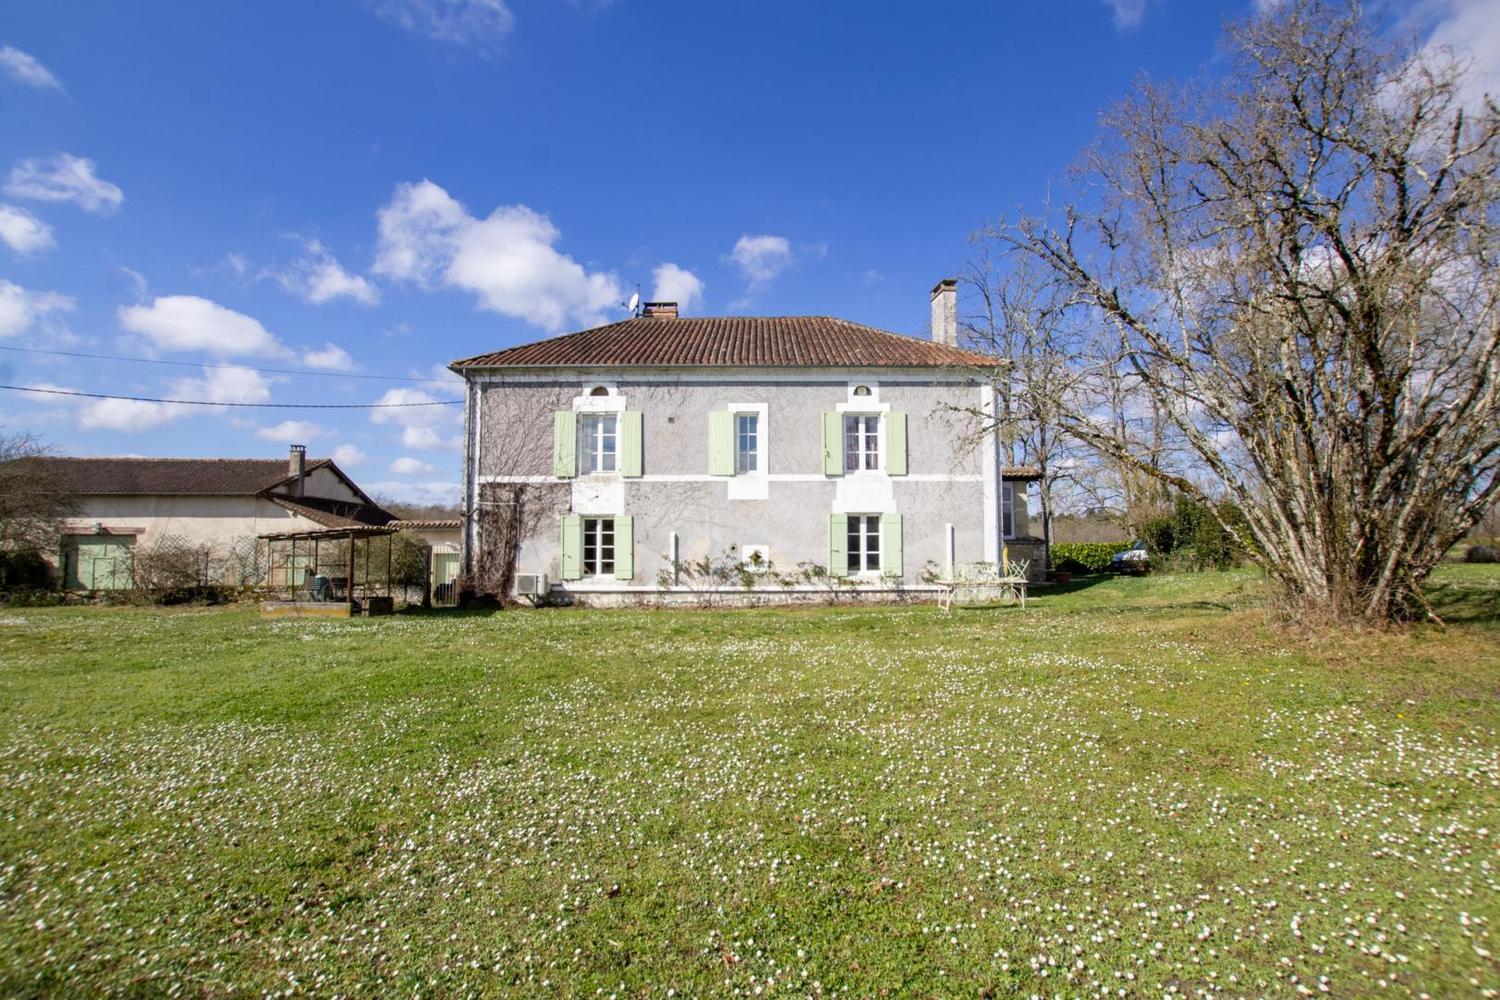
{"x":213,"y":364}
{"x":210,"y":402}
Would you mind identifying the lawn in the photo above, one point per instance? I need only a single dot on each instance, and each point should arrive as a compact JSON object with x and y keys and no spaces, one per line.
{"x":1134,"y":788}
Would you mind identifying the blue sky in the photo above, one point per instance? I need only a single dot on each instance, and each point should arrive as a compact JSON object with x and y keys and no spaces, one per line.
{"x":380,"y":187}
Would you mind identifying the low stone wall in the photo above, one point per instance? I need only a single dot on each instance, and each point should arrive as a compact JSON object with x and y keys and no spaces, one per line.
{"x":737,"y":598}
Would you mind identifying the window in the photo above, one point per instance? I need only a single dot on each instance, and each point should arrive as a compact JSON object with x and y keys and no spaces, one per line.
{"x":746,"y":443}
{"x":599,"y":390}
{"x":1007,"y":509}
{"x":864,"y":543}
{"x":861,"y":443}
{"x":598,"y":433}
{"x":861,"y":390}
{"x":598,"y":546}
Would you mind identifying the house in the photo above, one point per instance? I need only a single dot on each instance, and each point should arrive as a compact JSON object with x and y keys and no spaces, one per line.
{"x":217,"y":506}
{"x":612,"y":459}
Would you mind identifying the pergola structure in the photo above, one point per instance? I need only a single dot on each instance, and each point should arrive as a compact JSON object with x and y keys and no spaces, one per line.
{"x":297,"y":561}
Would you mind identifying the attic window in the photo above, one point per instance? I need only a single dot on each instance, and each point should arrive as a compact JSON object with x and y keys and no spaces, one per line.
{"x":599,"y":390}
{"x":861,"y":390}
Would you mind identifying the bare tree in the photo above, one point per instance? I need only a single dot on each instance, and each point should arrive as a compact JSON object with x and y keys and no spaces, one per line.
{"x":1023,"y":324}
{"x":1299,"y":266}
{"x":33,"y":504}
{"x":512,"y":504}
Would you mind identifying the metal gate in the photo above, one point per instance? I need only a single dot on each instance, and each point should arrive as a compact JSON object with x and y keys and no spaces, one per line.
{"x":444,"y":579}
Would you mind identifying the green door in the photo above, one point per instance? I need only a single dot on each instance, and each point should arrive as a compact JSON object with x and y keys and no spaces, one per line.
{"x":98,"y":562}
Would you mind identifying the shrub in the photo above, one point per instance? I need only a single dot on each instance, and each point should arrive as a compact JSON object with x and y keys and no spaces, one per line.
{"x":24,"y":569}
{"x":1481,"y":554}
{"x":1084,"y":557}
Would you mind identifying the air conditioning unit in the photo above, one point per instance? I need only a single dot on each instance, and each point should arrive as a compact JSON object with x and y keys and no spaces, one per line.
{"x":531,"y":584}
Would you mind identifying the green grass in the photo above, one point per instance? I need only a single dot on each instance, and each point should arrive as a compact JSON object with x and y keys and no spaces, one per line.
{"x":1132,"y":787}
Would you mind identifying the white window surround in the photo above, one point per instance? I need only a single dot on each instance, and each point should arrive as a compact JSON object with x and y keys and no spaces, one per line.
{"x":613,"y":403}
{"x":861,"y":432}
{"x":598,"y":540}
{"x":752,"y":485}
{"x":598,"y":444}
{"x":763,"y":433}
{"x":860,"y":547}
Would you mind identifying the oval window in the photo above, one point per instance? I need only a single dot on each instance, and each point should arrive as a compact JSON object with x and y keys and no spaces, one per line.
{"x":598,"y":390}
{"x":861,"y":390}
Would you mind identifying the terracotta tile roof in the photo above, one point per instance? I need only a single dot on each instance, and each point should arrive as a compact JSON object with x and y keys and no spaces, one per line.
{"x":336,"y":513}
{"x":429,"y":524}
{"x":172,"y":476}
{"x":731,"y":341}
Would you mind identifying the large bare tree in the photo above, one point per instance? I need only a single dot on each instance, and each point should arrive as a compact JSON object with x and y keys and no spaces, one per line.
{"x":33,"y":505}
{"x":1299,"y":267}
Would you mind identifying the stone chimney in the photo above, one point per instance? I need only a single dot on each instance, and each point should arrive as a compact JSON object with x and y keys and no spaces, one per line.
{"x":296,"y":466}
{"x":945,"y":312}
{"x":659,"y":310}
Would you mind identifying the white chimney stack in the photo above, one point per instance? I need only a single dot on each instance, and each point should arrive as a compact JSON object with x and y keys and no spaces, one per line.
{"x":945,"y":312}
{"x":296,"y":467}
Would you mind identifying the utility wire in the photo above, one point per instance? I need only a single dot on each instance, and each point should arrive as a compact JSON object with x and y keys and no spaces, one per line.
{"x":209,"y":402}
{"x":212,"y":364}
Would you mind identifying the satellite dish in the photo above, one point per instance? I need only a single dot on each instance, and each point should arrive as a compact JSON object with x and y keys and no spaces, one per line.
{"x":635,"y":300}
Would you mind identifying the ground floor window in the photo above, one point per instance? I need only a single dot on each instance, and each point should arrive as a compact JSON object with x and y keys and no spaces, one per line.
{"x":864,"y":543}
{"x":1007,"y":510}
{"x":598,"y":546}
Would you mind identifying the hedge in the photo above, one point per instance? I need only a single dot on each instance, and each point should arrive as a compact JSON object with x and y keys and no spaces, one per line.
{"x":1084,"y":557}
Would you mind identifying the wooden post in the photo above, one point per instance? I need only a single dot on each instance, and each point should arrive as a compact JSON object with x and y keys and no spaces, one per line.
{"x":349,"y":583}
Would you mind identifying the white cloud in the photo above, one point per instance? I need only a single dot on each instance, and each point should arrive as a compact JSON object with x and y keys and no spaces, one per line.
{"x":507,"y":260}
{"x":761,"y":258}
{"x":481,"y":25}
{"x":443,"y":492}
{"x":23,"y":232}
{"x":423,"y":428}
{"x":348,"y":455}
{"x":218,"y":385}
{"x":20,"y":308}
{"x":1471,"y":31}
{"x":290,"y":432}
{"x":676,"y":284}
{"x":426,"y":438}
{"x":128,"y":415}
{"x":331,"y":358}
{"x":317,"y":277}
{"x":64,"y":177}
{"x":190,"y":323}
{"x":405,"y":466}
{"x":1126,"y":14}
{"x":28,"y":69}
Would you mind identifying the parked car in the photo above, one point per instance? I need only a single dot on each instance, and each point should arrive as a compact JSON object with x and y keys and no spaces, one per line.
{"x":1133,"y":560}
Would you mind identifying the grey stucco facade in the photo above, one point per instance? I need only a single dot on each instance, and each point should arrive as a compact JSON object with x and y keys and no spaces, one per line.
{"x":950,"y":497}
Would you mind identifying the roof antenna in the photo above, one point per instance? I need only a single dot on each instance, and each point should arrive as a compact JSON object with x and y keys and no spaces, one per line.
{"x":634,"y":303}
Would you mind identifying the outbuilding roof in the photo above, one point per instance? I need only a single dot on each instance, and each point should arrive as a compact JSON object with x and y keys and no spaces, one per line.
{"x":172,"y":476}
{"x":730,"y":341}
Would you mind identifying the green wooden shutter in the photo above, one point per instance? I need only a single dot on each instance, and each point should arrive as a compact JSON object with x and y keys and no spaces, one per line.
{"x":565,"y":444}
{"x":721,"y":443}
{"x":895,"y":444}
{"x":630,"y":443}
{"x":838,"y":544}
{"x":890,"y":544}
{"x":624,"y":547}
{"x":833,"y":444}
{"x":572,"y":547}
